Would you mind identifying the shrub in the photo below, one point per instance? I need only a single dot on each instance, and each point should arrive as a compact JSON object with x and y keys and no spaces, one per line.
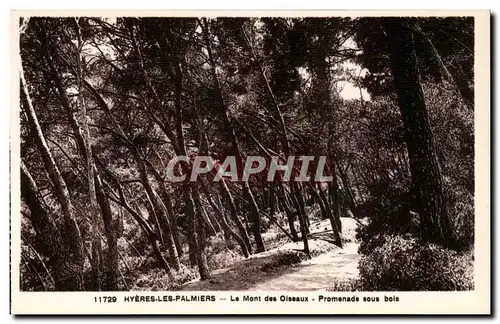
{"x":314,"y":213}
{"x":275,"y":239}
{"x":221,"y":253}
{"x":157,"y":279}
{"x":405,"y":264}
{"x":223,"y":259}
{"x":286,"y":258}
{"x":462,"y":216}
{"x":345,"y":285}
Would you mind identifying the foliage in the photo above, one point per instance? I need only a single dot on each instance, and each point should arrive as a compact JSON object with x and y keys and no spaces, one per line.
{"x":404,"y":264}
{"x":220,"y":253}
{"x":345,"y":285}
{"x":158,"y":280}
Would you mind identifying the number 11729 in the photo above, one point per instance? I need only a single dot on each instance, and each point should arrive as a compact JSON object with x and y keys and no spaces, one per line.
{"x":105,"y":299}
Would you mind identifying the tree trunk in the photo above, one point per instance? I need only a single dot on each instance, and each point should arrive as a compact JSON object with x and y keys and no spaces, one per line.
{"x":48,"y":236}
{"x":112,"y":265}
{"x":304,"y":228}
{"x":234,"y":214}
{"x":167,"y":201}
{"x":297,"y":197}
{"x":247,"y":191}
{"x":72,"y":235}
{"x":255,"y":218}
{"x":173,"y":220}
{"x":225,"y":226}
{"x":86,"y":148}
{"x":94,"y":182}
{"x":201,"y":240}
{"x":351,"y":200}
{"x":430,"y":197}
{"x":159,"y":210}
{"x":150,"y":234}
{"x":459,"y":83}
{"x":325,"y":207}
{"x":290,"y":218}
{"x":333,"y":204}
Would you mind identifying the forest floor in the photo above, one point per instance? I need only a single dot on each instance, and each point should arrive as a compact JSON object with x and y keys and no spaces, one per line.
{"x":284,"y":268}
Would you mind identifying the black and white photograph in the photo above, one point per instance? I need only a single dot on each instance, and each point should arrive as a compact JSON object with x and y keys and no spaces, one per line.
{"x":332,"y":155}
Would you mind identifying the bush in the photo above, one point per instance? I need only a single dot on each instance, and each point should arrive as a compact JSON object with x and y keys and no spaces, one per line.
{"x":345,"y":285}
{"x":462,"y":216}
{"x":286,"y":258}
{"x":314,"y":213}
{"x":376,"y":234}
{"x":222,"y":260}
{"x":158,"y":279}
{"x":404,"y":264}
{"x":220,"y":253}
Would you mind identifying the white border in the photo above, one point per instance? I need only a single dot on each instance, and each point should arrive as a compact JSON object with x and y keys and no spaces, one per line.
{"x":482,"y":177}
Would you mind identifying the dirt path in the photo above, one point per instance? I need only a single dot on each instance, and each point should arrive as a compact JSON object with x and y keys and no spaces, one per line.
{"x":318,"y":273}
{"x":272,"y":270}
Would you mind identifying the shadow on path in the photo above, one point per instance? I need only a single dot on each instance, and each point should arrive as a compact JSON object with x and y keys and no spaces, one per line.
{"x":281,"y":270}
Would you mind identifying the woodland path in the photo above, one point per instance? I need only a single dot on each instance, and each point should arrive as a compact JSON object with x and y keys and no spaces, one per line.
{"x":317,"y":273}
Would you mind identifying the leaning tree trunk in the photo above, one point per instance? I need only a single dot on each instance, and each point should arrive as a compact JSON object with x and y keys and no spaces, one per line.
{"x":460,"y":83}
{"x":225,"y":225}
{"x":430,"y":198}
{"x":159,"y":209}
{"x":242,"y":240}
{"x":233,"y":213}
{"x":96,"y":261}
{"x":111,"y":269}
{"x":304,"y":229}
{"x":48,"y":237}
{"x":167,"y":201}
{"x":247,"y":191}
{"x":199,"y":226}
{"x":73,"y":267}
{"x":94,"y":182}
{"x":332,"y":216}
{"x":290,"y":218}
{"x":255,"y":218}
{"x":135,"y":213}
